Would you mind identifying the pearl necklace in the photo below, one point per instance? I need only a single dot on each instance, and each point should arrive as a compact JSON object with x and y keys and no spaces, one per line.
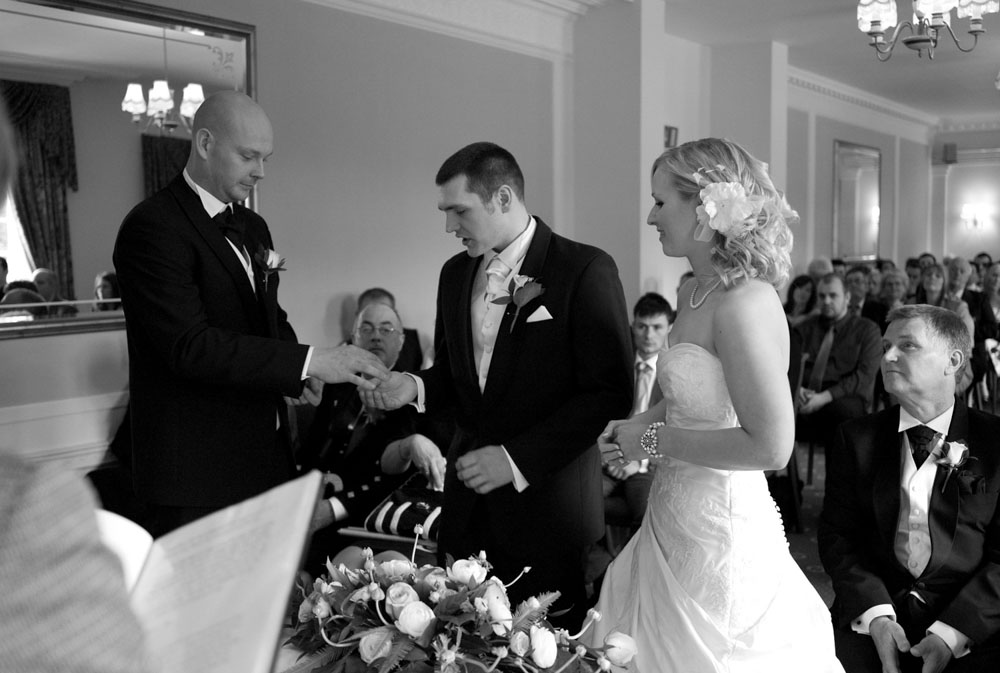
{"x":695,"y":304}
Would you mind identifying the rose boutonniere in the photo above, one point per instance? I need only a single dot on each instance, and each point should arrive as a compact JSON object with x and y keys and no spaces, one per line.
{"x":951,"y":456}
{"x":521,"y":290}
{"x":270,"y":262}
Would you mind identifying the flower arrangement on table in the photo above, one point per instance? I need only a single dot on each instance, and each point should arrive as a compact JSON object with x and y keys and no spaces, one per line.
{"x":395,"y":616}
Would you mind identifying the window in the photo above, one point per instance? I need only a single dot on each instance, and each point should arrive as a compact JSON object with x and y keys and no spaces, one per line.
{"x":12,"y":247}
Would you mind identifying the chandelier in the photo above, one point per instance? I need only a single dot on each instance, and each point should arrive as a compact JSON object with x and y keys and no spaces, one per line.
{"x":160,"y":108}
{"x":931,"y":19}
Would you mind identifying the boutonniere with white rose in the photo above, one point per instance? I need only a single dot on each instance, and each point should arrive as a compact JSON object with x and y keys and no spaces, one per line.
{"x":522,"y":289}
{"x":951,"y":456}
{"x":270,"y":262}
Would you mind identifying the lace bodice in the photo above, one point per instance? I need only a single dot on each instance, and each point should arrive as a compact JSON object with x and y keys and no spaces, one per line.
{"x":694,"y":387}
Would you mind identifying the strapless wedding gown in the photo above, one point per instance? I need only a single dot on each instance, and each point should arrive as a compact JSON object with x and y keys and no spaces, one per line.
{"x":707,"y":583}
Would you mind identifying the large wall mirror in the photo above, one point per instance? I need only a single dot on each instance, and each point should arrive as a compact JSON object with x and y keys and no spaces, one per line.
{"x":88,"y":52}
{"x":856,"y":201}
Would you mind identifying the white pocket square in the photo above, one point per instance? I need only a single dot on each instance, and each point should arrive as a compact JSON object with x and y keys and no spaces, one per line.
{"x":541,"y":313}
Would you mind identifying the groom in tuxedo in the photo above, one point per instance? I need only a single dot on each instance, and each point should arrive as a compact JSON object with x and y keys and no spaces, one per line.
{"x":211,"y":353}
{"x":532,"y":352}
{"x":910,"y":529}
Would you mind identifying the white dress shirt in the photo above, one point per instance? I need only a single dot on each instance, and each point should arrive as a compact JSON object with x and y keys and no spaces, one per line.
{"x":913,"y":540}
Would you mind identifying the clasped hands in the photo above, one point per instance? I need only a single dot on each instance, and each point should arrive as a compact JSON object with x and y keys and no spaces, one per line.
{"x":811,"y":401}
{"x":619,"y":445}
{"x":890,"y":640}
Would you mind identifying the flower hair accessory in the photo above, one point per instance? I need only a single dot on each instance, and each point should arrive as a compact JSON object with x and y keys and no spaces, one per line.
{"x":725,"y":207}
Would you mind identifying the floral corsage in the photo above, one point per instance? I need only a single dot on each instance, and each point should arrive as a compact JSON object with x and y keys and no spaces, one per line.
{"x":953,"y":455}
{"x":270,"y":262}
{"x":522,"y":289}
{"x":726,"y":208}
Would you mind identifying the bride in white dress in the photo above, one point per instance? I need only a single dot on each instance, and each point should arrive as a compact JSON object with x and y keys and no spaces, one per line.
{"x":708,"y":584}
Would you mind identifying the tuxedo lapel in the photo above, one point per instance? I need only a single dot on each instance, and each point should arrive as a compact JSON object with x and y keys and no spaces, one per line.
{"x":887,"y":477}
{"x":267,"y":293}
{"x":511,"y":334}
{"x":216,"y":241}
{"x":464,"y":353}
{"x":943,"y":511}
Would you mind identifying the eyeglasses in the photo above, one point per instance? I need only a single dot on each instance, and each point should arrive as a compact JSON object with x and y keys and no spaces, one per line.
{"x":368,"y":330}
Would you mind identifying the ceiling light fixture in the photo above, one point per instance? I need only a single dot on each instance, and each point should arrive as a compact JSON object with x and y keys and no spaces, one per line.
{"x":161,"y":101}
{"x":931,"y":19}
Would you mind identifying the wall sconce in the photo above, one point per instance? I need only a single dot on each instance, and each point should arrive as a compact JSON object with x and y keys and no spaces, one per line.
{"x":975,"y":216}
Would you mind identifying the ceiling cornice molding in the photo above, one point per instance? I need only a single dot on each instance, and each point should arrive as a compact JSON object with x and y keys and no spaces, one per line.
{"x":956,"y":125}
{"x":824,"y":86}
{"x":541,"y":28}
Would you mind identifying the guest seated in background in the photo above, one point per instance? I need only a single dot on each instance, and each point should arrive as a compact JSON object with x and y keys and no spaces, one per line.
{"x":991,"y":288}
{"x":913,"y":272}
{"x":4,"y":270}
{"x":982,"y":263}
{"x":819,"y":267}
{"x":652,"y":317}
{"x":47,"y":283}
{"x":858,"y":282}
{"x":411,"y":358}
{"x":106,"y":290}
{"x":843,"y":351}
{"x":894,"y":289}
{"x":20,"y":295}
{"x":908,"y":531}
{"x":346,"y":440}
{"x":926,"y":259}
{"x":801,"y":300}
{"x":984,"y":323}
{"x":932,"y":291}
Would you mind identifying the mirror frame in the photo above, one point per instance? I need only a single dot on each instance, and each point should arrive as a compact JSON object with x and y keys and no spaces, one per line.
{"x":157,"y":16}
{"x":855,"y":256}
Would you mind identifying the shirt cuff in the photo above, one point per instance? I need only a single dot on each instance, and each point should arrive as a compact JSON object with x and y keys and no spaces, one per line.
{"x":520,"y":483}
{"x":305,"y":367}
{"x":955,"y":639}
{"x":421,"y":394}
{"x":863,"y":623}
{"x":643,"y":466}
{"x":339,"y":511}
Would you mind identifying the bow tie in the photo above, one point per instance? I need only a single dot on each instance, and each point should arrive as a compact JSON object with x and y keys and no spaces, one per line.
{"x":231,"y":227}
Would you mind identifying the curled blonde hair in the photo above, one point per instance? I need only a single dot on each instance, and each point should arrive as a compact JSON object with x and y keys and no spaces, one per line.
{"x":764,"y":250}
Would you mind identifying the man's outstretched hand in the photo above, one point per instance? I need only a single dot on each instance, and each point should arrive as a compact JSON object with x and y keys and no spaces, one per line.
{"x":392,"y":393}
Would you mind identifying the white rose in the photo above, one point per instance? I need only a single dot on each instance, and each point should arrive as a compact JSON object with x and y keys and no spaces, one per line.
{"x":415,"y":619}
{"x":619,"y":648}
{"x":273,"y":259}
{"x":321,"y":608}
{"x":498,"y":606}
{"x":468,"y":572}
{"x":519,"y":643}
{"x":306,"y":610}
{"x":395,"y":570}
{"x":397,"y":597}
{"x":543,"y":647}
{"x":437,"y":580}
{"x":375,"y":645}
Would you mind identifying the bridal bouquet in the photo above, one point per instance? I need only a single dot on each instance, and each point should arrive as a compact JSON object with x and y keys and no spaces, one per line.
{"x":395,"y":616}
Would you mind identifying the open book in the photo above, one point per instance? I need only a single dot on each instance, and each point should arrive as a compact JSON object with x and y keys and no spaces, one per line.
{"x":212,"y":596}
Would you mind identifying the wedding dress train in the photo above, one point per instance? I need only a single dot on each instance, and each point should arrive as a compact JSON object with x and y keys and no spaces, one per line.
{"x":707,"y":583}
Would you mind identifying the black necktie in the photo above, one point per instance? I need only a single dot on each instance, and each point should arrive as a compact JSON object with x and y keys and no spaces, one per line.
{"x":230,"y":226}
{"x":920,"y":437}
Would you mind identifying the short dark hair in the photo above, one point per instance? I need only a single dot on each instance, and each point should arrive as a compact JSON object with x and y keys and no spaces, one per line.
{"x":487,"y":167}
{"x":653,"y":304}
{"x":830,"y":278}
{"x":374,"y":294}
{"x":942,"y":322}
{"x":927,"y":254}
{"x":912,"y":263}
{"x":860,"y":268}
{"x":20,"y":285}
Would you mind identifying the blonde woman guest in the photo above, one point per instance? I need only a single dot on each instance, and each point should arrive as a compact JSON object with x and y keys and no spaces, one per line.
{"x":894,"y":288}
{"x":708,"y":584}
{"x":931,"y":291}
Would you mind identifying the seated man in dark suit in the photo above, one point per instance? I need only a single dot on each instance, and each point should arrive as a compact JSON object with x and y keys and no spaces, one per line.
{"x":843,"y":352}
{"x":959,"y":270}
{"x":859,"y":283}
{"x":346,"y":440}
{"x":411,"y":357}
{"x":910,"y":528}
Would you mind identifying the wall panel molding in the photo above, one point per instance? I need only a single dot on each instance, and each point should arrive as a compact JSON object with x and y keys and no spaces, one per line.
{"x":72,"y":432}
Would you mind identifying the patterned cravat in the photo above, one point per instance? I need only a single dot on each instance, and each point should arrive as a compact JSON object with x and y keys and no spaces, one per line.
{"x":496,"y":273}
{"x":920,"y":437}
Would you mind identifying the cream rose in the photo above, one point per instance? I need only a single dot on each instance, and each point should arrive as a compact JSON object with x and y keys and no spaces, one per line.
{"x":498,"y":607}
{"x":619,"y":648}
{"x":415,"y":619}
{"x":543,"y":647}
{"x":395,"y":570}
{"x":397,"y":597}
{"x":468,"y":572}
{"x":375,"y":645}
{"x":321,"y":608}
{"x":519,"y":643}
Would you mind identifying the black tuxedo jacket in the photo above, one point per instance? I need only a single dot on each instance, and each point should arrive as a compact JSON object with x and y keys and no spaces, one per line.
{"x":552,"y":387}
{"x":961,"y":583}
{"x":209,"y":360}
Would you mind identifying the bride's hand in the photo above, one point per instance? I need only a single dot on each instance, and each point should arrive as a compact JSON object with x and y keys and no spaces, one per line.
{"x":619,"y":443}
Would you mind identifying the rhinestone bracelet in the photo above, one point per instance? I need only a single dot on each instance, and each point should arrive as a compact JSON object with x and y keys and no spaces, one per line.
{"x":649,"y":440}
